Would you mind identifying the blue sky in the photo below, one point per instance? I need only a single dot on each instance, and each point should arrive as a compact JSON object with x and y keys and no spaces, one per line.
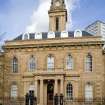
{"x":88,"y":12}
{"x":17,"y":15}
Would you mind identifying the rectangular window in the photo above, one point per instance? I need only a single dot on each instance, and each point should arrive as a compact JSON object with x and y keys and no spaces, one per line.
{"x":15,"y":65}
{"x":88,"y":63}
{"x":88,"y":92}
{"x":14,"y":91}
{"x":50,"y":63}
{"x":69,"y":62}
{"x":57,"y":23}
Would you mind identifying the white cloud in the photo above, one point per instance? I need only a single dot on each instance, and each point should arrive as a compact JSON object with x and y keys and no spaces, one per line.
{"x":40,"y":19}
{"x":71,"y":6}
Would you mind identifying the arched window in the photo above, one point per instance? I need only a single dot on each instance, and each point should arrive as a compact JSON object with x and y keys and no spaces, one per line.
{"x":25,"y":36}
{"x":50,"y":62}
{"x":32,"y":63}
{"x":69,"y":62}
{"x":15,"y":65}
{"x":88,"y":92}
{"x":57,"y":23}
{"x":14,"y":91}
{"x":88,"y":63}
{"x":69,"y":91}
{"x":78,"y":33}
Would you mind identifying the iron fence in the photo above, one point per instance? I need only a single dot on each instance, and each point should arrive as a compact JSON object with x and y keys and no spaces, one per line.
{"x":12,"y":101}
{"x":21,"y":101}
{"x":97,"y":101}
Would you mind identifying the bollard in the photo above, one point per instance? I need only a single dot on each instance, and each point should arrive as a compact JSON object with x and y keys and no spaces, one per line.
{"x":56,"y":99}
{"x":31,"y":97}
{"x":27,"y":99}
{"x":61,"y":99}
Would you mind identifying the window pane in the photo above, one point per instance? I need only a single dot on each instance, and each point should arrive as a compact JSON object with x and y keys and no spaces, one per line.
{"x":69,"y":62}
{"x":32,"y":64}
{"x":26,"y":36}
{"x":50,"y":62}
{"x":14,"y":91}
{"x":15,"y":65}
{"x":69,"y":91}
{"x":88,"y":92}
{"x":88,"y":63}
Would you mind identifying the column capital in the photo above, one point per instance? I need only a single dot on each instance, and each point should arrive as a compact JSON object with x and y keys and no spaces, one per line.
{"x":36,"y":79}
{"x":41,"y":79}
{"x":56,"y":79}
{"x":61,"y":78}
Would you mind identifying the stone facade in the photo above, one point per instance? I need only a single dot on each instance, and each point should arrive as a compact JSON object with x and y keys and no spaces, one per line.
{"x":46,"y":83}
{"x":1,"y":74}
{"x":60,"y":76}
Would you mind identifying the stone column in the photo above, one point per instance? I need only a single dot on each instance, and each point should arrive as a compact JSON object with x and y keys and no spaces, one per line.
{"x":25,"y":87}
{"x":41,"y":92}
{"x":56,"y":87}
{"x":61,"y":86}
{"x":36,"y":88}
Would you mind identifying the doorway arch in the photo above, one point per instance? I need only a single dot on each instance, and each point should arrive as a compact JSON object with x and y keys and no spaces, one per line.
{"x":50,"y":93}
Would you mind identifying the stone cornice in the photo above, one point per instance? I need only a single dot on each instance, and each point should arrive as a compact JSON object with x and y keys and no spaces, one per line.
{"x":43,"y":74}
{"x":50,"y":74}
{"x":53,"y":43}
{"x":57,"y":10}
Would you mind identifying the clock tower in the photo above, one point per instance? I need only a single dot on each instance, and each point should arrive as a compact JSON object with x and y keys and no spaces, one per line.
{"x":57,"y":16}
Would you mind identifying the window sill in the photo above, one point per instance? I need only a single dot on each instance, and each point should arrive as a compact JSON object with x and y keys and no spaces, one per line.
{"x":88,"y":71}
{"x":14,"y":73}
{"x":69,"y":69}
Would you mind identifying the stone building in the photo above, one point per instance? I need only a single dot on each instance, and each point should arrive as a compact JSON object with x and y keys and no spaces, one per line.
{"x":55,"y":62}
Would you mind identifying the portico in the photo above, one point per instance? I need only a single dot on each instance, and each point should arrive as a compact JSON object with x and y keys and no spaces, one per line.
{"x":47,"y":87}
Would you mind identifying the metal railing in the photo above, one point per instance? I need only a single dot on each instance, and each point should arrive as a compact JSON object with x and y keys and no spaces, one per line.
{"x":12,"y":101}
{"x":96,"y":101}
{"x":21,"y":101}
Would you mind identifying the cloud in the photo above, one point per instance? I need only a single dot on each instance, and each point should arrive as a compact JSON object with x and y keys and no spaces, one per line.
{"x":40,"y":20}
{"x":71,"y":6}
{"x":15,"y":16}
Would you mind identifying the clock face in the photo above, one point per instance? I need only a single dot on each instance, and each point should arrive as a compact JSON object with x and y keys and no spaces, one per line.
{"x":57,"y":3}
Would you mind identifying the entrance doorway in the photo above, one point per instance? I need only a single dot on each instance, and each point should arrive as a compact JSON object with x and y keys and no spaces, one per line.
{"x":50,"y":92}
